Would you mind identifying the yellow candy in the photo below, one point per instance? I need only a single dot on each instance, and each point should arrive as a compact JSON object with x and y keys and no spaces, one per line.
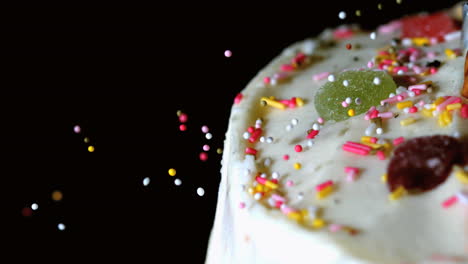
{"x":439,"y":100}
{"x":462,"y":176}
{"x":57,"y":196}
{"x":420,"y":41}
{"x":351,"y":112}
{"x":318,"y":223}
{"x":404,"y":104}
{"x":454,"y":106}
{"x":271,"y":185}
{"x":427,"y":112}
{"x":295,"y":215}
{"x":407,"y":121}
{"x":299,"y":101}
{"x":373,"y":145}
{"x":172,"y":172}
{"x":397,"y":194}
{"x":450,"y":54}
{"x":384,"y":177}
{"x":324,"y":192}
{"x":91,"y":149}
{"x":297,"y":166}
{"x":273,"y":103}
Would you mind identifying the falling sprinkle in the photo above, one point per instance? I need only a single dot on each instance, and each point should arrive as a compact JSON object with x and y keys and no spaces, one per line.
{"x":227,"y":53}
{"x":182,"y":127}
{"x":376,"y":81}
{"x":219,"y":150}
{"x":26,"y":212}
{"x":379,"y":6}
{"x":241,"y":205}
{"x":205,"y":129}
{"x":206,"y":147}
{"x":177,"y":182}
{"x":77,"y":129}
{"x":373,"y":35}
{"x":399,"y":1}
{"x":172,"y":172}
{"x":349,"y":46}
{"x":358,"y":12}
{"x":86,"y":140}
{"x":61,"y":227}
{"x":200,"y":191}
{"x":91,"y":148}
{"x":34,"y":206}
{"x":203,"y":156}
{"x":342,"y":15}
{"x":57,"y":196}
{"x":183,"y":117}
{"x":208,"y":136}
{"x":146,"y":181}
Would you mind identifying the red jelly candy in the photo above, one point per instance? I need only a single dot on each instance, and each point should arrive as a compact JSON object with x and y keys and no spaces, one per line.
{"x":427,"y":26}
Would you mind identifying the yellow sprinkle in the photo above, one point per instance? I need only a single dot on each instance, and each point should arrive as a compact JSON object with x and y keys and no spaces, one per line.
{"x":358,"y":12}
{"x":427,"y":112}
{"x":259,"y":188}
{"x":438,"y":101}
{"x":421,"y":41}
{"x":390,"y":68}
{"x":384,"y":177}
{"x":91,"y":149}
{"x":454,"y":106}
{"x":172,"y":172}
{"x":404,"y":104}
{"x":271,"y":185}
{"x":299,"y":101}
{"x":297,"y":166}
{"x":318,"y":223}
{"x":379,"y":6}
{"x":450,"y":54}
{"x":86,"y":140}
{"x":324,"y":192}
{"x":397,"y":194}
{"x":462,"y":176}
{"x":295,"y":215}
{"x":304,"y":212}
{"x":219,"y":151}
{"x":351,"y":112}
{"x":57,"y":196}
{"x":179,"y":112}
{"x":366,"y":139}
{"x":373,"y":145}
{"x":447,"y":117}
{"x":407,"y":121}
{"x":272,"y":103}
{"x":387,"y":145}
{"x":441,"y":121}
{"x":399,"y":1}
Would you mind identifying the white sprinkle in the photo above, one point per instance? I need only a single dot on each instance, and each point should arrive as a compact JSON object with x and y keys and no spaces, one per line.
{"x":342,"y":15}
{"x":310,"y":143}
{"x":258,"y":196}
{"x":406,"y":110}
{"x":391,"y":95}
{"x":429,"y":90}
{"x":373,"y":35}
{"x":462,"y":196}
{"x":61,"y":227}
{"x":269,"y":140}
{"x":34,"y":206}
{"x":331,"y":78}
{"x":376,"y":80}
{"x":246,"y":135}
{"x":411,"y":94}
{"x":358,"y":101}
{"x":259,"y":121}
{"x":308,"y":47}
{"x":294,"y":121}
{"x":262,"y":139}
{"x":146,"y":181}
{"x":271,"y":202}
{"x":456,"y":134}
{"x":77,"y":129}
{"x":275,"y":175}
{"x":400,"y":72}
{"x":316,"y":126}
{"x":177,"y":182}
{"x":453,"y":36}
{"x":406,"y":42}
{"x":208,"y":136}
{"x":273,"y":81}
{"x":379,"y":131}
{"x":267,"y":162}
{"x":300,"y":196}
{"x":200,"y":191}
{"x":312,"y":210}
{"x":346,"y":83}
{"x":288,"y":127}
{"x":263,"y":175}
{"x":370,"y":129}
{"x":348,"y":100}
{"x":428,"y":106}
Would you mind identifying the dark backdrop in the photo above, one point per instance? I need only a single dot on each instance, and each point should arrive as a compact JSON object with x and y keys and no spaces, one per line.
{"x":122,"y":76}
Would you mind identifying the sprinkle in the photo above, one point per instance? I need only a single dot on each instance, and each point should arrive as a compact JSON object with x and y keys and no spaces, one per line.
{"x":358,"y":101}
{"x":312,"y":133}
{"x":269,"y":140}
{"x":355,"y":150}
{"x":370,"y":64}
{"x":357,"y":145}
{"x":348,"y":47}
{"x":177,"y":182}
{"x":219,"y":150}
{"x":348,"y":100}
{"x":462,"y":176}
{"x":77,"y":129}
{"x":324,"y":192}
{"x":289,"y":127}
{"x":384,"y":177}
{"x":385,"y":115}
{"x":351,"y":112}
{"x":208,"y":136}
{"x":323,"y":185}
{"x":331,"y":78}
{"x":275,"y":175}
{"x":464,"y":111}
{"x":334,"y":228}
{"x":316,"y":126}
{"x":57,"y":196}
{"x":267,"y":80}
{"x":238,"y":98}
{"x":289,"y":183}
{"x":34,"y":206}
{"x":453,"y":36}
{"x":91,"y":148}
{"x":413,"y":109}
{"x":298,"y":148}
{"x":407,"y":121}
{"x":450,"y":54}
{"x":205,"y":129}
{"x":200,"y":191}
{"x":183,"y":117}
{"x":418,"y":87}
{"x":344,"y":104}
{"x":380,"y":154}
{"x":206,"y":147}
{"x":203,"y":156}
{"x":342,"y":15}
{"x":450,"y":100}
{"x":286,"y":157}
{"x":397,"y":194}
{"x":367,"y":139}
{"x":297,"y":166}
{"x":146,"y":181}
{"x":358,"y":12}
{"x":227,"y":53}
{"x":462,"y":196}
{"x":61,"y":227}
{"x":241,"y":205}
{"x":294,"y":121}
{"x":379,"y":131}
{"x":318,"y":223}
{"x":172,"y":172}
{"x":454,"y":106}
{"x":398,"y":141}
{"x":250,"y":151}
{"x":86,"y":140}
{"x":404,"y":104}
{"x":449,"y":201}
{"x":320,"y":76}
{"x":376,"y":81}
{"x":182,"y":127}
{"x":373,"y":35}
{"x":272,"y":103}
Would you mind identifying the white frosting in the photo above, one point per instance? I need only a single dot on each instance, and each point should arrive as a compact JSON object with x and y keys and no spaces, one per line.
{"x":410,"y":230}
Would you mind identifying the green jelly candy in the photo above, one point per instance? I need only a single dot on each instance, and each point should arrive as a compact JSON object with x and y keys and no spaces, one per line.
{"x":363,"y":89}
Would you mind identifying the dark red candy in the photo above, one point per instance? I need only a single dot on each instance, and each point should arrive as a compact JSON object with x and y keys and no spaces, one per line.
{"x":421,"y":164}
{"x":429,"y":26}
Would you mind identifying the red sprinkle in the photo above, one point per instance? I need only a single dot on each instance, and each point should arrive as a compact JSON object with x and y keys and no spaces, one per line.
{"x":182,"y":127}
{"x":312,"y":134}
{"x":250,"y":151}
{"x":349,"y":169}
{"x":251,"y":129}
{"x":287,"y":67}
{"x":449,"y":202}
{"x":238,"y":98}
{"x":298,"y":148}
{"x":286,"y":157}
{"x":255,"y":135}
{"x":324,"y":185}
{"x":266,"y":80}
{"x":413,"y":109}
{"x":464,"y":111}
{"x":398,"y":141}
{"x":203,"y":156}
{"x":381,"y":155}
{"x":349,"y":46}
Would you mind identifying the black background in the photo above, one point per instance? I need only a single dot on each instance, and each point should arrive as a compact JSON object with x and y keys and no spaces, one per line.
{"x":122,"y":76}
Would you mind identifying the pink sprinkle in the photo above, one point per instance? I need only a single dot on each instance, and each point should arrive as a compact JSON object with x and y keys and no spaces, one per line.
{"x":381,"y":155}
{"x":289,"y":183}
{"x":398,"y":141}
{"x":431,"y":54}
{"x":344,"y":104}
{"x":287,"y":67}
{"x":77,"y":129}
{"x":334,"y":228}
{"x":343,"y":33}
{"x":349,"y":169}
{"x":449,"y":201}
{"x":250,"y":151}
{"x":238,"y":98}
{"x":421,"y":103}
{"x":205,"y":129}
{"x":433,"y":70}
{"x":320,"y":120}
{"x":351,"y":177}
{"x":417,"y":69}
{"x":417,"y":91}
{"x":299,"y":59}
{"x":183,"y":118}
{"x":286,"y":157}
{"x":390,"y":27}
{"x":402,"y":96}
{"x":370,"y":64}
{"x":280,"y":75}
{"x":323,"y":185}
{"x":385,"y":115}
{"x":320,"y":76}
{"x":413,"y":109}
{"x":355,"y":150}
{"x":464,"y":111}
{"x":266,"y":80}
{"x":227,"y":53}
{"x":206,"y":147}
{"x":287,"y":210}
{"x":241,"y":205}
{"x":260,"y":180}
{"x":358,"y":145}
{"x":298,"y":148}
{"x":278,"y":197}
{"x":203,"y":156}
{"x":450,"y":100}
{"x":182,"y":127}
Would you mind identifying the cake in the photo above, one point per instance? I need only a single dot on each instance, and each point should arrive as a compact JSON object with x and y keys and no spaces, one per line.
{"x":350,"y":148}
